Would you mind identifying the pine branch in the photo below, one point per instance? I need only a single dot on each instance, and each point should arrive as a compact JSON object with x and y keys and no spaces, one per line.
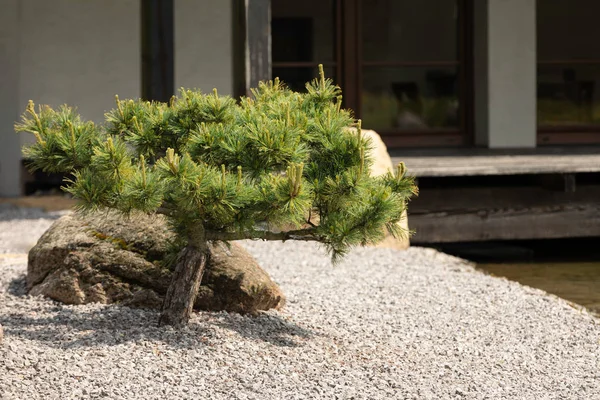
{"x":299,"y":234}
{"x":206,"y":160}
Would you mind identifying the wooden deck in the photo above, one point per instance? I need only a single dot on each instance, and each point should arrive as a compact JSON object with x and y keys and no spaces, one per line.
{"x":474,"y":162}
{"x":543,"y":195}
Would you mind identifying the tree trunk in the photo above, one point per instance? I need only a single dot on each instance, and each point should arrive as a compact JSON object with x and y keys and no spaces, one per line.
{"x":179,"y":300}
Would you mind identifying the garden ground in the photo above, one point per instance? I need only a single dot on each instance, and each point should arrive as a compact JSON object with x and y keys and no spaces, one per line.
{"x":384,"y":324}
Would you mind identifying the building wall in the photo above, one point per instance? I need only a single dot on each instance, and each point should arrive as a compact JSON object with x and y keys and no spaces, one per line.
{"x":82,"y":53}
{"x":57,"y":52}
{"x":204,"y":45}
{"x":10,"y":157}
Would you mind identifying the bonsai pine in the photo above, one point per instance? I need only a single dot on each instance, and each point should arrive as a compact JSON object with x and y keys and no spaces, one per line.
{"x":278,"y":165}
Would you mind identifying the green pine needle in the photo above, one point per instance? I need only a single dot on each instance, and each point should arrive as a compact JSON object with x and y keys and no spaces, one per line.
{"x":278,"y":159}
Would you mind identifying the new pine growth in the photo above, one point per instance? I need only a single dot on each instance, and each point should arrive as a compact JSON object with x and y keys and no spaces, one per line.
{"x":265,"y":167}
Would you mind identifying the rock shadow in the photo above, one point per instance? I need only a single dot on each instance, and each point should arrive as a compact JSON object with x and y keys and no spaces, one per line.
{"x":68,"y":328}
{"x":18,"y":286}
{"x":267,"y":327}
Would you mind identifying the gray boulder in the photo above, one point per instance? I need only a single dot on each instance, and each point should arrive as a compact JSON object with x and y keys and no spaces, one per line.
{"x":108,"y":258}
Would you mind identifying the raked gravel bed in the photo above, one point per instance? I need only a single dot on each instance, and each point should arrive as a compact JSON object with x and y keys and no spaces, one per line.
{"x":382,"y":325}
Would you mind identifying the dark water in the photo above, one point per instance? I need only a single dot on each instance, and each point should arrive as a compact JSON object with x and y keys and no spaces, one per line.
{"x":576,"y":282}
{"x":567,"y":268}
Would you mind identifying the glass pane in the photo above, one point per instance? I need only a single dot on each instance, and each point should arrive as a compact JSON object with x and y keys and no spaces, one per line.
{"x":412,"y":98}
{"x":567,"y":95}
{"x":303,"y":30}
{"x":568,"y":29}
{"x":296,"y":78}
{"x":409,"y":30}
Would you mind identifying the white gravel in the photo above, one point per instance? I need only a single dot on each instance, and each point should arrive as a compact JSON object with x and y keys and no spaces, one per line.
{"x":20,"y":228}
{"x":383,"y":325}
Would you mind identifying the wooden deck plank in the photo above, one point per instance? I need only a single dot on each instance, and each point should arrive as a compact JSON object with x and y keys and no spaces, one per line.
{"x":427,"y":165}
{"x":507,"y":213}
{"x":481,"y":199}
{"x":507,"y":224}
{"x":530,"y":209}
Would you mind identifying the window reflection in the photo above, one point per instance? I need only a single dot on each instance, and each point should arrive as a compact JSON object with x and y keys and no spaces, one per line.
{"x":410,"y":98}
{"x":568,"y":63}
{"x":409,"y":30}
{"x":568,"y":29}
{"x":567,"y":95}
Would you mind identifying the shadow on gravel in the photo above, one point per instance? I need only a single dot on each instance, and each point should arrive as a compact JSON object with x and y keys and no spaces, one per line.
{"x":10,"y":212}
{"x":68,"y":328}
{"x":18,"y":286}
{"x":267,"y":327}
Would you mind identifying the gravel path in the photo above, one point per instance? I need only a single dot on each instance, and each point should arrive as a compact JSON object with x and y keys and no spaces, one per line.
{"x":383,"y":325}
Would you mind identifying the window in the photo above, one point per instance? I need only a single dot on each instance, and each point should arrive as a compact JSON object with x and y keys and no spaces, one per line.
{"x":400,"y":63}
{"x":304,"y":36}
{"x":410,"y":67}
{"x":568,"y":71}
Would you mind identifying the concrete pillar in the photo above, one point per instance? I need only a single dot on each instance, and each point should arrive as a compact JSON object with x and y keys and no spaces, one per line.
{"x":10,"y":149}
{"x":505,"y":73}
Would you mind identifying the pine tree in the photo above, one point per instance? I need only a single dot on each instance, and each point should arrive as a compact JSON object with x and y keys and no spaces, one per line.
{"x":277,"y":165}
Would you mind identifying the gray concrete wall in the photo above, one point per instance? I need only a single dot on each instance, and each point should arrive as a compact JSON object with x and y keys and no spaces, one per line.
{"x":204,"y":45}
{"x":505,"y":73}
{"x":82,"y":53}
{"x":79,"y":53}
{"x":10,"y":153}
